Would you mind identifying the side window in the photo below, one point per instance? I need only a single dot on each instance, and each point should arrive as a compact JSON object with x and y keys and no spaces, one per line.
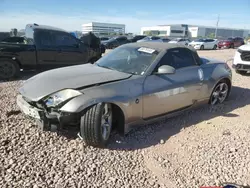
{"x":64,"y":39}
{"x":178,"y":58}
{"x":167,"y":59}
{"x":43,"y":38}
{"x":182,"y":58}
{"x":155,"y":38}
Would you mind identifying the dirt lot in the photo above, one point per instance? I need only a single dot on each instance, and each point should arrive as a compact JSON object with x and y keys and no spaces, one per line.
{"x":206,"y":146}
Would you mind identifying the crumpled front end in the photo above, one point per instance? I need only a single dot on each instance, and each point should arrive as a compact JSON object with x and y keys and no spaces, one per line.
{"x":47,"y":111}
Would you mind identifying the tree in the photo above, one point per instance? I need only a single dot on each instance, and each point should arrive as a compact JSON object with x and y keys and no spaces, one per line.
{"x":13,"y":32}
{"x":211,"y":35}
{"x":149,"y":33}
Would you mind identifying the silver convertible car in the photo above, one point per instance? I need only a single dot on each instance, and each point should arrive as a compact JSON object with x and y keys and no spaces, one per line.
{"x":133,"y":84}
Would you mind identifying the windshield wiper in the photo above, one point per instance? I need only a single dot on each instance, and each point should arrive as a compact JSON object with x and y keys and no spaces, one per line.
{"x":106,"y":67}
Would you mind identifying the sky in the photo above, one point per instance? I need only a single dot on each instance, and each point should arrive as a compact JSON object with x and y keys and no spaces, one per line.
{"x":71,"y":14}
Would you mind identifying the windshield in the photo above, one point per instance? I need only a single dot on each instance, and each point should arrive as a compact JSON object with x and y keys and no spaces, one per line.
{"x":132,"y":60}
{"x":199,"y":40}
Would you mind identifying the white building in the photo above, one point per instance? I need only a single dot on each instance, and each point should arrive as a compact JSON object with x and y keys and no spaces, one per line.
{"x":165,"y":30}
{"x":103,"y":28}
{"x":193,"y":31}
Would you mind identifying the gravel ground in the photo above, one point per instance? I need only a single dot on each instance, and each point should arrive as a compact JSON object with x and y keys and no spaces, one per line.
{"x":205,"y":146}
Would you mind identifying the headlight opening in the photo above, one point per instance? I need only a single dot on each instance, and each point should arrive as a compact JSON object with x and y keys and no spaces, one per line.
{"x":60,"y":97}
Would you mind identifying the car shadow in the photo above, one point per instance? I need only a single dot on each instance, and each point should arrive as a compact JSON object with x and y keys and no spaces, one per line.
{"x":152,"y":134}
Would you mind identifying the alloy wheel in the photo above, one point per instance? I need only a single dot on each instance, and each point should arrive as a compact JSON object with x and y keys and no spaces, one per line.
{"x":219,"y":94}
{"x":106,"y":121}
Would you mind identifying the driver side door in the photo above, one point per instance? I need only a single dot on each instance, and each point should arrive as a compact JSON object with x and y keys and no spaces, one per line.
{"x":167,"y":93}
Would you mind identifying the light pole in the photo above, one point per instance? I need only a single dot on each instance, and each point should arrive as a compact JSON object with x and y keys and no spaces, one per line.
{"x":217,"y":23}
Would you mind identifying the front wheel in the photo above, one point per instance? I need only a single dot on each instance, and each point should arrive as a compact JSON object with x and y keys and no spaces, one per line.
{"x":215,"y":47}
{"x":96,"y":125}
{"x":202,"y":47}
{"x":220,"y":93}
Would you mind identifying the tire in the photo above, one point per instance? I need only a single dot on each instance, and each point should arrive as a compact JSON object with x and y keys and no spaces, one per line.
{"x":202,"y":47}
{"x":242,"y":72}
{"x":9,"y":69}
{"x":215,"y":47}
{"x":93,"y":125}
{"x":232,"y":46}
{"x":220,"y":93}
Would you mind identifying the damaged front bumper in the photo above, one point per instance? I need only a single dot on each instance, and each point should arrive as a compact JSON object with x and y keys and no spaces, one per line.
{"x":48,"y":121}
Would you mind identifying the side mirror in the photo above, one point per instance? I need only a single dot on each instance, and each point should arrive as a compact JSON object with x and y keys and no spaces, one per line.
{"x":165,"y":69}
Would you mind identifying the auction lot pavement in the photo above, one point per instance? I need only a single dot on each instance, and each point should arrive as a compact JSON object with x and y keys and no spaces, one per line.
{"x":203,"y":147}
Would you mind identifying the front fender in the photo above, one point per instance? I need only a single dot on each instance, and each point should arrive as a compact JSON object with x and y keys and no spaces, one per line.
{"x":82,"y":102}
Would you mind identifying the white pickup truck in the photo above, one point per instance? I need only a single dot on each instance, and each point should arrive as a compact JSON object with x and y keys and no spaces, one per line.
{"x":241,"y":62}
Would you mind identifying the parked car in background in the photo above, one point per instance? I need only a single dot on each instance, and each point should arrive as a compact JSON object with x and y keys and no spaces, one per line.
{"x":47,"y":47}
{"x":162,"y":39}
{"x":137,"y":37}
{"x":131,"y":85}
{"x":104,"y":38}
{"x":204,"y":44}
{"x":241,"y":62}
{"x":231,"y":42}
{"x":18,"y":40}
{"x":149,"y":38}
{"x":165,"y":39}
{"x":4,"y":35}
{"x":180,"y":41}
{"x":115,"y":42}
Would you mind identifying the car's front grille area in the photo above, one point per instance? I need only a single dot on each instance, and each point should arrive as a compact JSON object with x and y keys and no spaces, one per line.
{"x":243,"y":67}
{"x":245,"y":55}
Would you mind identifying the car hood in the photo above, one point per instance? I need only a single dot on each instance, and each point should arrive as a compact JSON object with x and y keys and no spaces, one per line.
{"x":173,"y":42}
{"x":225,"y":41}
{"x":196,"y":43}
{"x":208,"y":60}
{"x":104,"y":41}
{"x":72,"y":77}
{"x":143,"y":40}
{"x":245,"y":47}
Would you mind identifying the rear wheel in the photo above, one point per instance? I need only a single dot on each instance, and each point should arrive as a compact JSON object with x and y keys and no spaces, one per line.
{"x":202,"y":47}
{"x":232,"y":46}
{"x":8,"y":69}
{"x":220,"y":93}
{"x":96,"y":125}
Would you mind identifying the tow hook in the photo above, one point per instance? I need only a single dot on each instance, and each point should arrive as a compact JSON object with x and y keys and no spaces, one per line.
{"x":79,"y":135}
